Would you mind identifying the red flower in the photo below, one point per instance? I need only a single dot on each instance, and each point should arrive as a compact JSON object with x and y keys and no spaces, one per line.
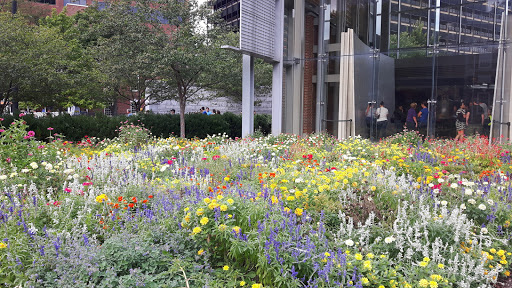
{"x":134,"y":199}
{"x":150,"y":196}
{"x":120,"y":198}
{"x":131,"y":205}
{"x":145,"y":201}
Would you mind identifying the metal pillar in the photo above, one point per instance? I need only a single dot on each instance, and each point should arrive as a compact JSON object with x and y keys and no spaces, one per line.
{"x":247,"y":96}
{"x":277,"y":73}
{"x":320,"y":75}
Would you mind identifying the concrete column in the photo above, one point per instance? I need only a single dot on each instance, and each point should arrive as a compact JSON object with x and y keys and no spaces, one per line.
{"x":277,"y":74}
{"x":298,"y":67}
{"x":247,"y":95}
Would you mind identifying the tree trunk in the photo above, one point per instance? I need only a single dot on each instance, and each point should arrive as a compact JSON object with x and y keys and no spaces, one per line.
{"x":182,"y":115}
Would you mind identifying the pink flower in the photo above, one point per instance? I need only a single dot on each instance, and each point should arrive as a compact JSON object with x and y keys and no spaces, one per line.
{"x":49,"y":128}
{"x":31,"y":134}
{"x":215,"y":157}
{"x":2,"y":130}
{"x":169,"y":162}
{"x":87,"y":183}
{"x":8,"y":160}
{"x":26,"y":137}
{"x":1,"y":119}
{"x":22,"y":114}
{"x":67,"y":189}
{"x":40,"y":147}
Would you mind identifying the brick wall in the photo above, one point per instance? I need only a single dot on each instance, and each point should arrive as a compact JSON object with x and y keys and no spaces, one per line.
{"x":309,"y":103}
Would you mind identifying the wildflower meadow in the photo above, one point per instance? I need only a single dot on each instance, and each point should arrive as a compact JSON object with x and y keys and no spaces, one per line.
{"x":275,"y":211}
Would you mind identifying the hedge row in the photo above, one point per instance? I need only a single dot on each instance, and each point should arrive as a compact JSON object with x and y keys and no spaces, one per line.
{"x":74,"y":128}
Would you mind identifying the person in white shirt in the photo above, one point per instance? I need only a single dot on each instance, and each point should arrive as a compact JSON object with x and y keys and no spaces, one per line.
{"x":381,"y":114}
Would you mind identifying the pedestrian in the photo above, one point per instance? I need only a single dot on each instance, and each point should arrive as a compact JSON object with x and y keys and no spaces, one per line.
{"x":399,"y":118}
{"x":173,"y":111}
{"x":461,"y":122}
{"x":411,"y":122}
{"x":476,"y":119}
{"x":202,"y":110}
{"x":423,"y":119}
{"x":382,"y":120}
{"x":207,"y":111}
{"x":370,"y":112}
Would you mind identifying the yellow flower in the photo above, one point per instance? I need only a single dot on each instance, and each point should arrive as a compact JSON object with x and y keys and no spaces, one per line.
{"x":196,"y":230}
{"x":231,"y":201}
{"x":223,"y":208}
{"x":286,"y":209}
{"x":3,"y":245}
{"x":226,"y":178}
{"x":500,"y":252}
{"x":382,"y":286}
{"x":367,"y":265}
{"x":373,"y":188}
{"x":426,"y":259}
{"x":507,"y":273}
{"x":222,"y":227}
{"x":423,"y":283}
{"x":299,"y":211}
{"x":436,"y":277}
{"x":370,"y":255}
{"x":219,"y":197}
{"x":101,"y":198}
{"x":225,"y":268}
{"x":200,"y":211}
{"x":492,"y":250}
{"x":359,"y":256}
{"x":365,"y":281}
{"x":433,"y":284}
{"x":256,"y":285}
{"x":290,"y":198}
{"x":423,"y":264}
{"x":204,"y":221}
{"x":186,"y":209}
{"x":274,"y":199}
{"x":440,"y":265}
{"x":200,"y":252}
{"x":207,"y":200}
{"x":187,"y":217}
{"x":242,"y":283}
{"x":236,"y":229}
{"x":327,"y":254}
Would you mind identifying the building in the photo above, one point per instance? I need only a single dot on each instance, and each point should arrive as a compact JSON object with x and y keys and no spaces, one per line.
{"x":339,"y":56}
{"x":229,"y":11}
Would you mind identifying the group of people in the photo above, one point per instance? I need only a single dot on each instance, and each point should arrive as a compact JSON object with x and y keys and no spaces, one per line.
{"x":208,"y":112}
{"x":476,"y":119}
{"x":202,"y":111}
{"x":473,"y":118}
{"x":380,"y":116}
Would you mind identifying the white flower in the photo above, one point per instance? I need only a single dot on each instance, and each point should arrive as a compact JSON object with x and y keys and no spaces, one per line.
{"x":462,"y":206}
{"x":13,"y":174}
{"x":479,"y":192}
{"x":440,"y":180}
{"x":24,"y":170}
{"x":48,"y":166}
{"x":162,"y":169}
{"x":349,"y":242}
{"x":68,"y":171}
{"x":490,"y":202}
{"x":472,"y":201}
{"x":454,"y":185}
{"x":76,"y":176}
{"x":435,"y":191}
{"x":468,"y":192}
{"x":3,"y":177}
{"x":33,"y":165}
{"x":431,"y":185}
{"x":444,"y":203}
{"x":481,"y":207}
{"x":484,"y":230}
{"x":389,"y":239}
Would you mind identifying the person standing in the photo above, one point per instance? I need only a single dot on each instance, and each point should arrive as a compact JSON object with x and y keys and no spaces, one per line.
{"x":423,"y":119}
{"x":461,"y":122}
{"x":382,"y":120}
{"x":399,"y":115}
{"x":370,"y":112}
{"x":476,"y":119}
{"x":411,"y":121}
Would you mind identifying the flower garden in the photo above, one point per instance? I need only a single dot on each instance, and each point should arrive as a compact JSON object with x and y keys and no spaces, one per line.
{"x":283,"y":211}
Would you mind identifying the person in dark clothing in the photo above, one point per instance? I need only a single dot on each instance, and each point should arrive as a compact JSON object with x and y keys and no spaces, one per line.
{"x":411,"y":122}
{"x":399,"y":118}
{"x":476,"y":119}
{"x":423,"y":119}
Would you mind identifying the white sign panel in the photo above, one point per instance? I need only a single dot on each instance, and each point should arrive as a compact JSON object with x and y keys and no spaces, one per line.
{"x":257,"y":27}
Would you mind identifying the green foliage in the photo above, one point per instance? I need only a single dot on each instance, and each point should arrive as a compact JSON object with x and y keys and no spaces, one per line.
{"x":133,"y":134}
{"x":75,"y":128}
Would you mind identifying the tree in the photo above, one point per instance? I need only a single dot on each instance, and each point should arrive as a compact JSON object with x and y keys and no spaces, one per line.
{"x":412,"y":43}
{"x":35,"y":62}
{"x":189,"y":54}
{"x":123,"y":38}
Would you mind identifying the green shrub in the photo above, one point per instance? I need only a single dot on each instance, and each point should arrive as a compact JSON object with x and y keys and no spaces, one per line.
{"x":74,"y":128}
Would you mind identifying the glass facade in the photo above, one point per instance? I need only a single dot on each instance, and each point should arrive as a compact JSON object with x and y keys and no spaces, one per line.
{"x":437,"y":52}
